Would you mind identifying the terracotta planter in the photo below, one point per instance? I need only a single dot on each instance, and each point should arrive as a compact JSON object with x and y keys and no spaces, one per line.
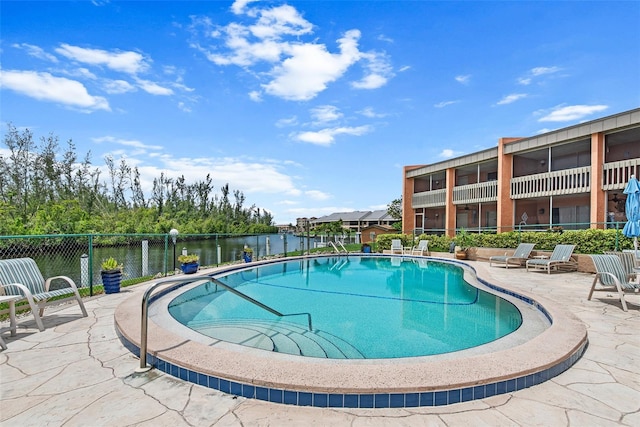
{"x":461,"y":255}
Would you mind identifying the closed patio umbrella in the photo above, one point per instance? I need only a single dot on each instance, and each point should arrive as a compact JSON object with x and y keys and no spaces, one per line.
{"x":632,"y":211}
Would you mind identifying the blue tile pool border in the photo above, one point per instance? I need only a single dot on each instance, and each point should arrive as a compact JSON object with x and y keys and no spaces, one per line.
{"x":365,"y":400}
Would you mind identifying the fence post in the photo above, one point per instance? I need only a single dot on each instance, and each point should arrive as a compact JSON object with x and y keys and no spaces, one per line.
{"x":145,"y":258}
{"x":166,"y":254}
{"x":90,"y":244}
{"x":84,"y":270}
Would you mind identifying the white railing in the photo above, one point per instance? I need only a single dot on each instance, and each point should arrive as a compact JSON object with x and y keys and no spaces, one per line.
{"x":616,"y":174}
{"x":428,"y":199}
{"x":567,"y":181}
{"x":476,"y":193}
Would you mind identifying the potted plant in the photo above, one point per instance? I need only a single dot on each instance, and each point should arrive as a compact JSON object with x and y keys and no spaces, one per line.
{"x":247,"y":254}
{"x":189,"y":263}
{"x":111,"y":273}
{"x":463,"y":241}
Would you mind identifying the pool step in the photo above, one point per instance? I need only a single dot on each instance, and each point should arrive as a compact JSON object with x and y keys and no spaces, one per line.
{"x":279,"y":336}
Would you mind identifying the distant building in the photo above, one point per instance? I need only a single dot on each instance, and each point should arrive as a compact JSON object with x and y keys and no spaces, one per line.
{"x":302,"y":223}
{"x":286,"y":228}
{"x":371,"y":232}
{"x":355,"y":220}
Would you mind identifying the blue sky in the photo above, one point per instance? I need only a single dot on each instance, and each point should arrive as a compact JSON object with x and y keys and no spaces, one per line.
{"x":310,"y":107}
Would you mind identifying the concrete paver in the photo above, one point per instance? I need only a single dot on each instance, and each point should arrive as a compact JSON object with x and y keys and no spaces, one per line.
{"x":77,"y":372}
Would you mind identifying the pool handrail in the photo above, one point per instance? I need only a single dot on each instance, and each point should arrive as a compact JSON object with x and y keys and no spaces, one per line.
{"x":144,"y":321}
{"x":336,"y":248}
{"x":258,"y":303}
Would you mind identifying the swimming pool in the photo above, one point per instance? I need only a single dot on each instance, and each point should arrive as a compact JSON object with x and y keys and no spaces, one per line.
{"x":358,"y":307}
{"x":548,"y":342}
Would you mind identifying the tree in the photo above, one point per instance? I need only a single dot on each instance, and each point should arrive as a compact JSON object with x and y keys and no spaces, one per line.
{"x":394,"y":209}
{"x":42,"y":192}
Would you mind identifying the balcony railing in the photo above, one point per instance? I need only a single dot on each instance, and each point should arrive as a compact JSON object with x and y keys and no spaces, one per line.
{"x":428,"y":199}
{"x":476,"y":193}
{"x":617,"y":174}
{"x":566,"y":181}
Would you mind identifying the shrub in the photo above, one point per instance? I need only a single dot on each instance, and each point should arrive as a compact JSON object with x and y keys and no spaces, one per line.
{"x":188,"y":259}
{"x":110,"y":264}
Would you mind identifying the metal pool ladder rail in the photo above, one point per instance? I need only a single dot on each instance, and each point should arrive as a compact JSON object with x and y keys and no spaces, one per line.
{"x":144,"y":322}
{"x":338,"y":250}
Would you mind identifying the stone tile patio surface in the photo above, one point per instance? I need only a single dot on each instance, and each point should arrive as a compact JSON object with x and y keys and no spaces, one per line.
{"x":77,"y":373}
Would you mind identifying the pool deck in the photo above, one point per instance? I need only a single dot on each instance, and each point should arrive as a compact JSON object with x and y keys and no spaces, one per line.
{"x":77,"y":372}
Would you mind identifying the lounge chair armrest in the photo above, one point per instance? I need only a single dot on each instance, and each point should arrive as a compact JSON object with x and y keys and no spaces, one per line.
{"x":23,"y":289}
{"x":613,"y":276}
{"x":70,"y":281}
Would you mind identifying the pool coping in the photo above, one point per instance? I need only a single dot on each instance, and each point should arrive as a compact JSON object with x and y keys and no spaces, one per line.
{"x":369,"y":383}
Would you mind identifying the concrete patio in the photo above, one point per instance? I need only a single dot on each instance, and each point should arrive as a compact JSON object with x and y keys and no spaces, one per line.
{"x":77,"y":372}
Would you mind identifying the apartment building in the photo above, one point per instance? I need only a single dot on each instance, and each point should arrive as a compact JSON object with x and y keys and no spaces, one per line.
{"x":571,"y":177}
{"x":356,"y":220}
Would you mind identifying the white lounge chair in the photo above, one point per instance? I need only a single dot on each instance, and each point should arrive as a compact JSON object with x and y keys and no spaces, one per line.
{"x":21,"y":276}
{"x":421,"y":249}
{"x":612,"y":278}
{"x":560,"y":259}
{"x":520,"y":255}
{"x":396,"y":246}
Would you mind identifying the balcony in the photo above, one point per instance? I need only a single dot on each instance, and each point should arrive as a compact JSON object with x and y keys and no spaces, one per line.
{"x":567,"y":181}
{"x":476,"y":193}
{"x":428,"y":199}
{"x":617,"y":174}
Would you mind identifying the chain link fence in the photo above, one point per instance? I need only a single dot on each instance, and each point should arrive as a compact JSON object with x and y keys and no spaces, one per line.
{"x":142,"y":256}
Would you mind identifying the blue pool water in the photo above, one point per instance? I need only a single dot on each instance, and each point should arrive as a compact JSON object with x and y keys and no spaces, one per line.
{"x":360,"y":307}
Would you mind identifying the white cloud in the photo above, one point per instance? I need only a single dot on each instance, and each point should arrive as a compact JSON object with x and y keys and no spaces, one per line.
{"x":511,"y":98}
{"x":369,"y":112}
{"x":238,"y":6}
{"x":45,"y":87}
{"x":379,"y":71}
{"x":527,"y":79}
{"x":325,"y":113}
{"x":184,"y":107}
{"x":317,"y":195}
{"x":279,"y":21}
{"x":404,"y":68}
{"x":539,"y":71}
{"x":36,"y":52}
{"x":247,"y":176}
{"x":291,"y":121}
{"x":311,"y":67}
{"x":463,"y":79}
{"x":326,"y":137}
{"x":296,"y":70}
{"x":255,"y":96}
{"x":572,"y":112}
{"x":126,"y":142}
{"x":126,"y":62}
{"x":117,"y":86}
{"x":445,"y":104}
{"x":447,"y":153}
{"x":153,"y":88}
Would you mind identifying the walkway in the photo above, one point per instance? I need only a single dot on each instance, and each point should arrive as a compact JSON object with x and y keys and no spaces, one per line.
{"x":76,"y":373}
